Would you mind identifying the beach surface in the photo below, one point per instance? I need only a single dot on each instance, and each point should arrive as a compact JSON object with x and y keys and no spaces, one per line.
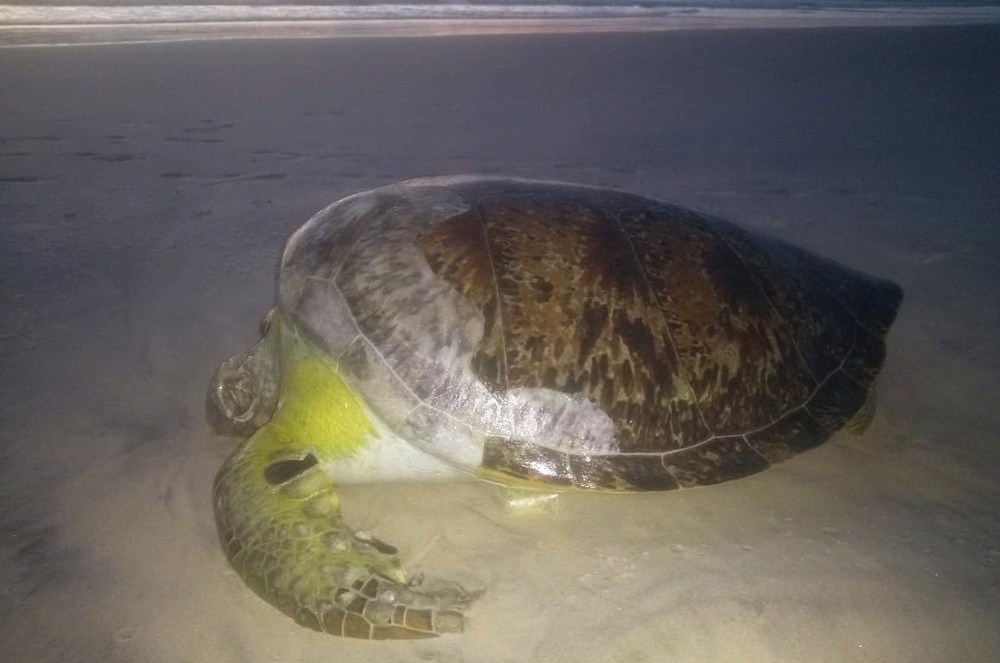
{"x":146,"y":192}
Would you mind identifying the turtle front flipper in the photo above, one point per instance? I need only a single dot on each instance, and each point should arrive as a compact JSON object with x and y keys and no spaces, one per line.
{"x":280,"y":526}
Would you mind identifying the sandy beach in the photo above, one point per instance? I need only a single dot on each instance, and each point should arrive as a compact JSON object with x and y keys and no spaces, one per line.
{"x":146,"y":192}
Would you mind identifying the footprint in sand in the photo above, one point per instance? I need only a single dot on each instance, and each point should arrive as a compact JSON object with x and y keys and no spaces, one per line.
{"x":184,"y":139}
{"x":24,"y":179}
{"x":114,"y":158}
{"x":209,"y":127}
{"x":279,"y":155}
{"x":930,"y":252}
{"x":109,"y":158}
{"x":238,"y":177}
{"x":47,"y":139}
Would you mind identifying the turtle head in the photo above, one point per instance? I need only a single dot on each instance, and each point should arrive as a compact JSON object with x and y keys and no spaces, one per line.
{"x":244,"y":391}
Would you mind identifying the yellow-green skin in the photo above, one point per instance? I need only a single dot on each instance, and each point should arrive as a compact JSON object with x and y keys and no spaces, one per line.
{"x":278,"y":515}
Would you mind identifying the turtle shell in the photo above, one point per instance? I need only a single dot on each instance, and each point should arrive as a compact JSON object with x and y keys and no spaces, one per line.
{"x":583,"y":337}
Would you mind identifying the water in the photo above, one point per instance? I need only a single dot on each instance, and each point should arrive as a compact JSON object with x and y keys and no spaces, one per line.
{"x":70,"y":22}
{"x":51,"y":12}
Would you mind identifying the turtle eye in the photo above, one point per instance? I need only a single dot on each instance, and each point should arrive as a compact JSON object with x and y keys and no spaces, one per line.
{"x":265,"y":323}
{"x":238,"y":401}
{"x":284,"y":471}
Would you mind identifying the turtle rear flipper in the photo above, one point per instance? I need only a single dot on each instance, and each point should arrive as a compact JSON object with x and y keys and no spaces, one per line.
{"x":859,"y":423}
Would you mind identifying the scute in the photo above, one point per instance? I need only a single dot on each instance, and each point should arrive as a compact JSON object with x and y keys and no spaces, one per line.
{"x":663,"y":348}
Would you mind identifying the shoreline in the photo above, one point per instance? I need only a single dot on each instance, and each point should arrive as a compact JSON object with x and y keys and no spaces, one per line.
{"x":98,"y":34}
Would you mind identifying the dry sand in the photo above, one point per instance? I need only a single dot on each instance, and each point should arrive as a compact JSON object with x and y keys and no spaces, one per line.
{"x":145,"y":193}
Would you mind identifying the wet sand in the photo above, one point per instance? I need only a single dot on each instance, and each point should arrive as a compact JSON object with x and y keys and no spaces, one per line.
{"x":146,"y":191}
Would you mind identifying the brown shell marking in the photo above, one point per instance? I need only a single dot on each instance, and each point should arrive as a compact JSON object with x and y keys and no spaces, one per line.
{"x":575,"y":320}
{"x":715,"y":352}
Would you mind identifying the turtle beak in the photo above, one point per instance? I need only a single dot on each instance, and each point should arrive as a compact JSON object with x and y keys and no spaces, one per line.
{"x":244,"y":391}
{"x":231,"y":402}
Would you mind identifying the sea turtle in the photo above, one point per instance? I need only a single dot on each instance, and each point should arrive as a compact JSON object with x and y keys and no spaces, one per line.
{"x":532,"y":334}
